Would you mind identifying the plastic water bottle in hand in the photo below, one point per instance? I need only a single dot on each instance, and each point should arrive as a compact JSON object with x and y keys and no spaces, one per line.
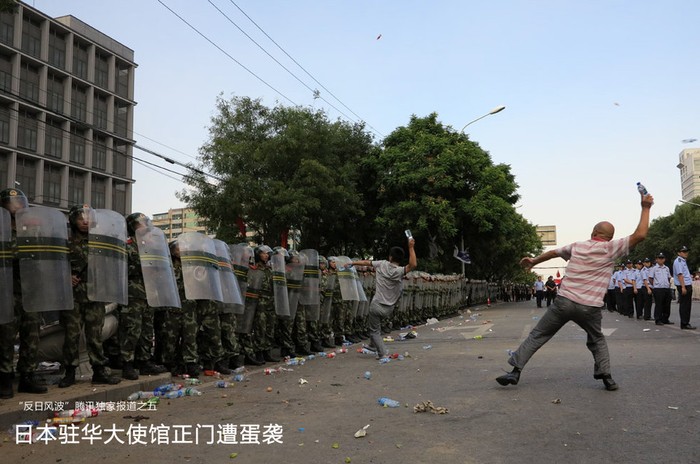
{"x":408,"y":233}
{"x":642,"y":189}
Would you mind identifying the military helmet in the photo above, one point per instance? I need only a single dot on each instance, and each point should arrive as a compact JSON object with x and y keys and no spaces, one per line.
{"x":278,"y":250}
{"x":13,"y":200}
{"x":76,"y":211}
{"x":322,"y":260}
{"x":136,"y":218}
{"x":261,"y":249}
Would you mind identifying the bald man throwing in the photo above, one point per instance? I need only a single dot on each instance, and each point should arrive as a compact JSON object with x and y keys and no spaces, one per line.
{"x":580,"y":298}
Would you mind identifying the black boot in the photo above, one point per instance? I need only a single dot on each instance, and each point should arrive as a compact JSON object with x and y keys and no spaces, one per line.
{"x":192,"y":370}
{"x":237,"y":361}
{"x":222,"y":367}
{"x":302,"y":351}
{"x":286,"y":352}
{"x":6,"y":379}
{"x":511,"y":378}
{"x":268,"y":357}
{"x":68,"y":378}
{"x":339,"y":341}
{"x":260,"y":357}
{"x":316,"y":346}
{"x":151,"y":368}
{"x":326,"y":344}
{"x":29,"y":384}
{"x":102,"y":377}
{"x":252,"y":360}
{"x":128,"y":371}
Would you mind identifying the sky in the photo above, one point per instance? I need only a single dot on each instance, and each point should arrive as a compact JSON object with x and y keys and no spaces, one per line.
{"x":599,"y":95}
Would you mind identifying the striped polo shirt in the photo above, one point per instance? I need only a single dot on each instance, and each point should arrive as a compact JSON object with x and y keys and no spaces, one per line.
{"x":588,"y":271}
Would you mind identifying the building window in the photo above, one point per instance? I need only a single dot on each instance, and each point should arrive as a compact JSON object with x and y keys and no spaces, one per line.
{"x":52,"y":184}
{"x":80,"y":60}
{"x":29,"y":82}
{"x":101,"y":70}
{"x":57,"y":49}
{"x":7,"y":28}
{"x":4,"y":124}
{"x":31,"y":37}
{"x":99,"y":189}
{"x":100,"y":112}
{"x":79,"y":102}
{"x":119,"y":159}
{"x":119,"y":197}
{"x":76,"y":188}
{"x":123,"y":71}
{"x":4,"y":167}
{"x":121,"y":112}
{"x":99,"y":153}
{"x":26,"y":176}
{"x":77,"y":146}
{"x":54,"y":138}
{"x":27,"y":130}
{"x":55,"y":94}
{"x":5,"y":73}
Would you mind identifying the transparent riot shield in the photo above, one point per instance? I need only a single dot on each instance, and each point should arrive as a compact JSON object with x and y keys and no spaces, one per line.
{"x":107,"y":259}
{"x":310,"y":294}
{"x":7,"y":311}
{"x":157,"y":268}
{"x":200,"y":267}
{"x":279,"y":285}
{"x":231,"y":293}
{"x":44,"y":266}
{"x":252,"y":295}
{"x":325,"y":312}
{"x":346,"y":278}
{"x":295,"y":277}
{"x":241,"y":255}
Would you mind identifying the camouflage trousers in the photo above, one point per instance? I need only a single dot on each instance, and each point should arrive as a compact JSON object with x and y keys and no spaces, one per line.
{"x":229,"y":340}
{"x":176,"y":340}
{"x":209,"y":333}
{"x":135,"y":331}
{"x":299,"y":333}
{"x":283,"y":333}
{"x":264,"y":323}
{"x":340,"y":318}
{"x":27,"y":323}
{"x":91,"y":315}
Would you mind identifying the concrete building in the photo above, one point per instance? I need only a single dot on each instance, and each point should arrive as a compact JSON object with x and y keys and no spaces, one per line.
{"x":179,"y":220}
{"x":66,"y":112}
{"x":689,"y":166}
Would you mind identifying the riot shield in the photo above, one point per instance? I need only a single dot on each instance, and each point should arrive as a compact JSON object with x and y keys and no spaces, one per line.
{"x":252,"y":295}
{"x":325,"y":312}
{"x":231,"y":293}
{"x":346,"y":278}
{"x":107,"y":259}
{"x":240,"y":257}
{"x":279,"y":285}
{"x":200,"y":267}
{"x":157,"y":268}
{"x":295,"y":276}
{"x":7,"y":311}
{"x":44,"y":265}
{"x":309,"y":288}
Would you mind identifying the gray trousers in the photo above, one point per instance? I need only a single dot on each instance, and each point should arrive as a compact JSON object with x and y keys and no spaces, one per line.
{"x":376,"y":312}
{"x":562,"y":311}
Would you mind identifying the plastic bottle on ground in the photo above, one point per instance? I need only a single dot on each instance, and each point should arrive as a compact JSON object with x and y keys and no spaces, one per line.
{"x":192,"y":392}
{"x":388,"y":402}
{"x":173,"y":394}
{"x":368,"y":375}
{"x":222,"y":384}
{"x":141,"y":395}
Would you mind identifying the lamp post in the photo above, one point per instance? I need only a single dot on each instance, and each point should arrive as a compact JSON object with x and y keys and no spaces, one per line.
{"x":497,"y":109}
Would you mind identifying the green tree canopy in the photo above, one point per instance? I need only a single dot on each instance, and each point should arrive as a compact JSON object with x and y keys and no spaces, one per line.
{"x":283,"y":168}
{"x":443,"y":187}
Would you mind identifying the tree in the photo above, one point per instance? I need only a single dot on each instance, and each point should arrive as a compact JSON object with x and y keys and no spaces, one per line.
{"x":443,"y":186}
{"x":8,"y":6}
{"x":283,"y":168}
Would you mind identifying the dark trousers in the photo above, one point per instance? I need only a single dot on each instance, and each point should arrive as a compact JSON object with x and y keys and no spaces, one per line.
{"x":611,"y":299}
{"x":628,"y":301}
{"x":620,"y":300}
{"x":662,"y":304}
{"x":684,"y":302}
{"x":639,"y":301}
{"x":540,"y":295}
{"x":648,"y":298}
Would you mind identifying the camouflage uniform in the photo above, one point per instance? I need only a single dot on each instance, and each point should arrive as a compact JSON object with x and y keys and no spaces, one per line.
{"x":209,"y":336}
{"x":229,"y":340}
{"x":324,"y":328}
{"x":90,"y":313}
{"x":180,"y":330}
{"x":27,"y":323}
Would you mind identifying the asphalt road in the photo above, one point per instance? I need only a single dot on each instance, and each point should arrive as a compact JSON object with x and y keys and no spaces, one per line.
{"x":558,"y":413}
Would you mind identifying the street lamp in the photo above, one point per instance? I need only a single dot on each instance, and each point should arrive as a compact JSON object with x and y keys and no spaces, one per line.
{"x":497,"y":109}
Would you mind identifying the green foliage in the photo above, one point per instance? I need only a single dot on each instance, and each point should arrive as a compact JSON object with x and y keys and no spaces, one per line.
{"x":9,"y":6}
{"x":283,"y":169}
{"x":443,"y":187}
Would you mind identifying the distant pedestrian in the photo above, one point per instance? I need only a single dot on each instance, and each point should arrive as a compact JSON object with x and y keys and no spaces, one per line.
{"x":551,"y":290}
{"x":538,"y":286}
{"x":684,"y":285}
